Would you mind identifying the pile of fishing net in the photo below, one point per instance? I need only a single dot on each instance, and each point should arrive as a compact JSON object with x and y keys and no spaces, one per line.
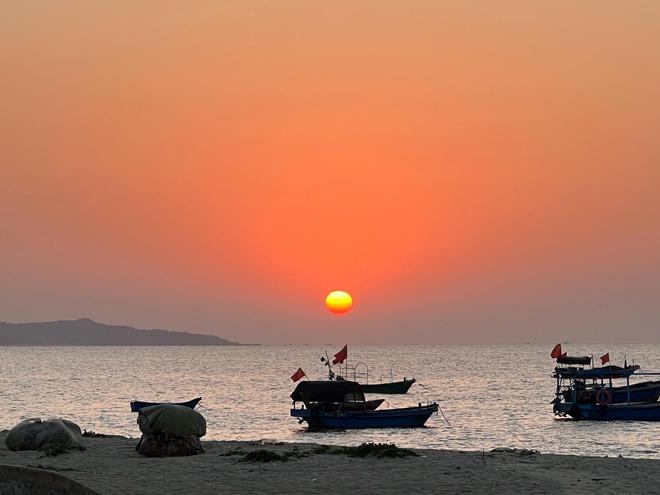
{"x":170,"y":430}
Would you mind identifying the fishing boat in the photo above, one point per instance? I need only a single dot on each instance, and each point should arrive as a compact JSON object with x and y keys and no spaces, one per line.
{"x":359,"y":373}
{"x":589,"y":393}
{"x":400,"y":387}
{"x":332,"y":405}
{"x":136,"y":405}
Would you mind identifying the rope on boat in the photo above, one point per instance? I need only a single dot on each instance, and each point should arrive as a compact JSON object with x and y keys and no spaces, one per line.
{"x":425,"y":393}
{"x":427,"y":390}
{"x":432,"y":390}
{"x":443,"y":415}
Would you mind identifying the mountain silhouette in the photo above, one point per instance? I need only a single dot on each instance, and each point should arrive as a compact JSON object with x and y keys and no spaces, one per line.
{"x":89,"y":332}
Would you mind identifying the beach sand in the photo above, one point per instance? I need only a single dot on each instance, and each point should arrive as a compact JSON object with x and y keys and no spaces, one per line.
{"x":111,"y":466}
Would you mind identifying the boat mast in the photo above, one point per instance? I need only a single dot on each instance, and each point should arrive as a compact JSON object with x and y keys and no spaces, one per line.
{"x":331,"y":375}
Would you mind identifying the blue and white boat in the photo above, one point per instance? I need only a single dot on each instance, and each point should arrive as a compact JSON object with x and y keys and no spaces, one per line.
{"x":590,"y":393}
{"x":341,"y":405}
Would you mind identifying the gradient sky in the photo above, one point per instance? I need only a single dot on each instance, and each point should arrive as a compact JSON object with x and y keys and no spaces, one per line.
{"x":470,"y":171}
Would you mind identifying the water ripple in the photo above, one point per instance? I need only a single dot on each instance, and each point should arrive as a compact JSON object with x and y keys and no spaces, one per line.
{"x":493,"y":396}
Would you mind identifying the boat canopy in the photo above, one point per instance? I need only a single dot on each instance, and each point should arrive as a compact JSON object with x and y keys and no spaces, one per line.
{"x":574,"y":360}
{"x":327,"y":391}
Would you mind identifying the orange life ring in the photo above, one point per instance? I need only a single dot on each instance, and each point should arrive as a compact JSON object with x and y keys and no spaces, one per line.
{"x":604,"y":397}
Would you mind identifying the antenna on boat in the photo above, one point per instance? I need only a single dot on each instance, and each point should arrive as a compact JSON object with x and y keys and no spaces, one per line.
{"x":345,"y":375}
{"x":326,"y":361}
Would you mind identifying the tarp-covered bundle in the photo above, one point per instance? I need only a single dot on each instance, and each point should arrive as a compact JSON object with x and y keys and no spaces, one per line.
{"x":170,"y":430}
{"x":52,"y":434}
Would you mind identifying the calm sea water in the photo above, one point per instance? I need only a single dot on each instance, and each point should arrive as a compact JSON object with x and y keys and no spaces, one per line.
{"x":493,"y":396}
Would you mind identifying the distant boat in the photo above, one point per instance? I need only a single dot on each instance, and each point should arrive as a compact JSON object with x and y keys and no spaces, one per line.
{"x":325,"y":406}
{"x":136,"y":405}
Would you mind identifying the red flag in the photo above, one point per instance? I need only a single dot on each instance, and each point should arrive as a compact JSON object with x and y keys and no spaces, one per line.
{"x":298,"y":375}
{"x":605,"y":358}
{"x":341,"y":356}
{"x":556,"y":352}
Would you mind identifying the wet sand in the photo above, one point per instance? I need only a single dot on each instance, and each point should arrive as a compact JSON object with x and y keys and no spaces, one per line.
{"x":111,"y":466}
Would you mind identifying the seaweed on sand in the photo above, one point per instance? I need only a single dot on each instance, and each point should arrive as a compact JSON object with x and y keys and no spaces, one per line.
{"x":263,"y":455}
{"x":378,"y":450}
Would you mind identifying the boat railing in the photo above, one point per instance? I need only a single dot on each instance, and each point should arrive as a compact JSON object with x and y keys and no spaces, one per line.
{"x":358,"y":372}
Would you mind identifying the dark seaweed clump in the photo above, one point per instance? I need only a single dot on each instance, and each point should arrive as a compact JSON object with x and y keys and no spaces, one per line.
{"x":263,"y":455}
{"x":370,"y":449}
{"x":233,"y":452}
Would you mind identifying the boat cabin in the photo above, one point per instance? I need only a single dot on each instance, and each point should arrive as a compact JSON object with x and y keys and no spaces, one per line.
{"x":327,"y":392}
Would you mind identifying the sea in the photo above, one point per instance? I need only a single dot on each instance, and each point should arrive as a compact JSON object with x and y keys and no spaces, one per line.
{"x":490,"y":396}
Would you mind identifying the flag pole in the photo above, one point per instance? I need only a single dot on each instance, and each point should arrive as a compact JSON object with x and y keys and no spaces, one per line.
{"x":346,"y":364}
{"x":327,"y":363}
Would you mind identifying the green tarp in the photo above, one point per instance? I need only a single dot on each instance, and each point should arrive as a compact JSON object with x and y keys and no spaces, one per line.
{"x":171,"y":419}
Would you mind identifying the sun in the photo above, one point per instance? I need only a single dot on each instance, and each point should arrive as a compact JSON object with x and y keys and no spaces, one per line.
{"x":339,"y":301}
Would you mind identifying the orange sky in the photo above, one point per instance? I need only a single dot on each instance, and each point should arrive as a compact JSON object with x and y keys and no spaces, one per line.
{"x":469,"y":171}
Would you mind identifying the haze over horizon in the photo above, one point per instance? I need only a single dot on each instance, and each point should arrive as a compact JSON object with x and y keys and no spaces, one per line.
{"x":470,"y":172}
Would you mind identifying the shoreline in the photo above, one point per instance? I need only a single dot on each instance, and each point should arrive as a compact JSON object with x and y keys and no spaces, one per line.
{"x":110,"y":465}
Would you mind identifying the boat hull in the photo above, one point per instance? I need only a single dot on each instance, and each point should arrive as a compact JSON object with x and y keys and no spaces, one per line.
{"x":408,"y":417}
{"x":367,"y":405}
{"x":136,"y":405}
{"x":400,"y":387}
{"x":640,"y":392}
{"x":612,"y":412}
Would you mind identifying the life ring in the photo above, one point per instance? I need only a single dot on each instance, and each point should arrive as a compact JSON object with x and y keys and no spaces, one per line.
{"x":604,"y":397}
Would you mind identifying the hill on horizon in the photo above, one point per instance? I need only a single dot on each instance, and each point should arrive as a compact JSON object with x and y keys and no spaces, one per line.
{"x":85,"y":331}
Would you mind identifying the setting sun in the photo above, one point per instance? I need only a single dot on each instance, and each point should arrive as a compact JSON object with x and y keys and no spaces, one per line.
{"x":339,"y":301}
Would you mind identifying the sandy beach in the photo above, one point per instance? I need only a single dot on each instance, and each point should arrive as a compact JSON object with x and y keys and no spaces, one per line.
{"x":111,"y":466}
